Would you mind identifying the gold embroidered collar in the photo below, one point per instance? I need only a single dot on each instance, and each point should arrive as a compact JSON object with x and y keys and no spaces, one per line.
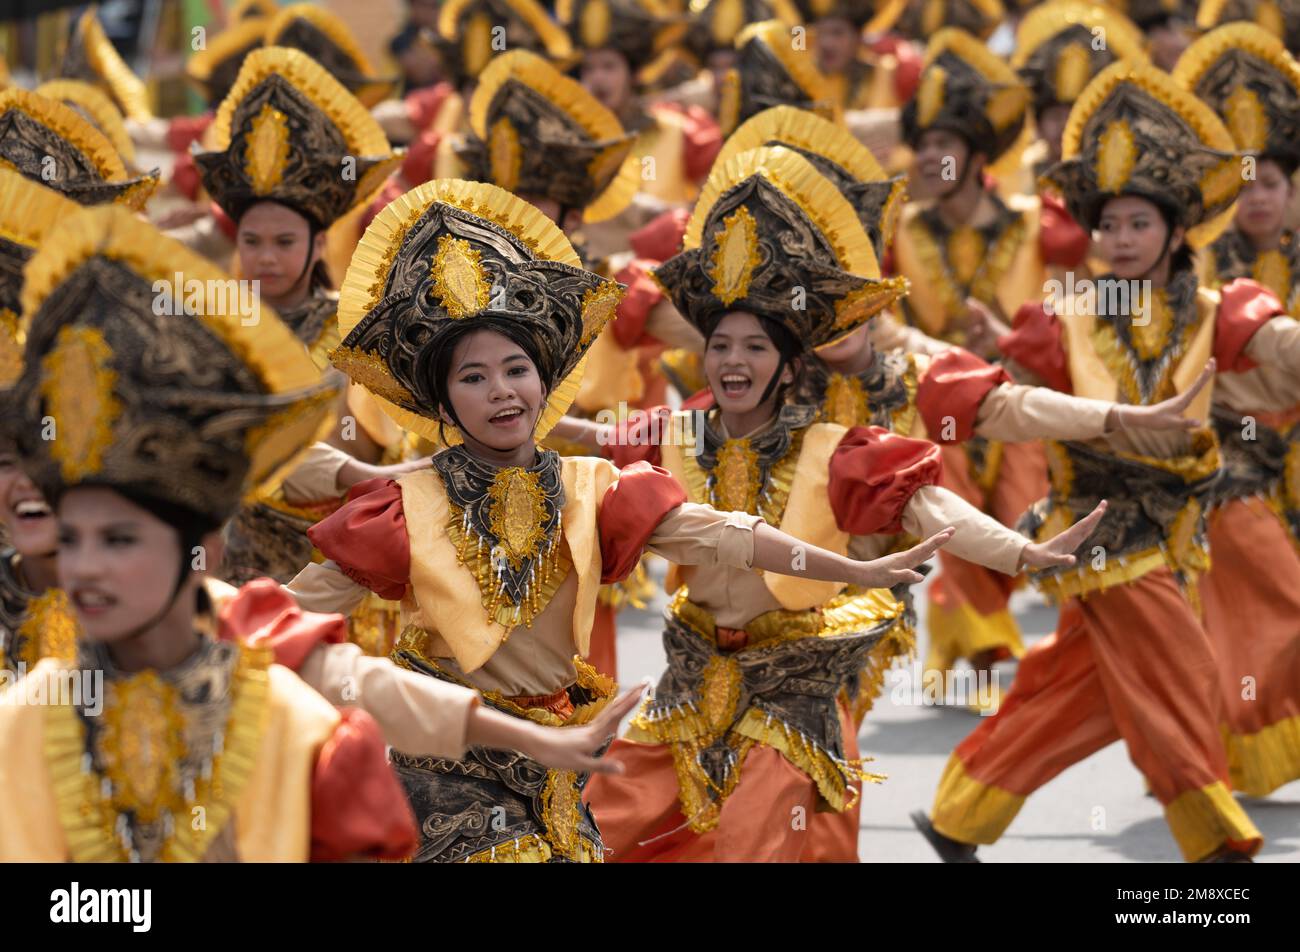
{"x":1143,"y":346}
{"x":884,"y":394}
{"x":506,"y":527}
{"x":33,"y":625}
{"x":1278,"y":269}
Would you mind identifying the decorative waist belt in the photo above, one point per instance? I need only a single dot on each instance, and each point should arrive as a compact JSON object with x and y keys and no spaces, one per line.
{"x":715,"y":702}
{"x":500,"y":806}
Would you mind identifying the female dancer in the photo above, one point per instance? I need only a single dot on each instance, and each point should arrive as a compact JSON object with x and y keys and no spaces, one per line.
{"x":466,"y":309}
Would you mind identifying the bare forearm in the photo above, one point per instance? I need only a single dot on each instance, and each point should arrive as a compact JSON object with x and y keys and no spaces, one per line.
{"x":594,"y":436}
{"x":776,"y":551}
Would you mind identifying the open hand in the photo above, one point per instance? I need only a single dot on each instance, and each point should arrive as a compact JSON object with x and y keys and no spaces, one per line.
{"x":891,"y":570}
{"x":1166,"y":415}
{"x":983,"y":328}
{"x":573,"y":748}
{"x":1059,"y":550}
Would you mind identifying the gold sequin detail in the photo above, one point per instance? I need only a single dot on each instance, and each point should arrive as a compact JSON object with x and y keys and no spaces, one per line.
{"x":49,"y":629}
{"x":77,"y":386}
{"x":1116,"y":155}
{"x":735,"y":257}
{"x":965,"y":252}
{"x":504,"y":154}
{"x":459,"y":281}
{"x":267,"y":151}
{"x":736,"y":475}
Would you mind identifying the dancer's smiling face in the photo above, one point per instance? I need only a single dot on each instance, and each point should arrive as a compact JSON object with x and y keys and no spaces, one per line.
{"x":495,"y":390}
{"x":739,"y":361}
{"x":23,"y":510}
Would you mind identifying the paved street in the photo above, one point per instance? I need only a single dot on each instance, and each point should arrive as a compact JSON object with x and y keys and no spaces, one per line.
{"x":1096,"y":811}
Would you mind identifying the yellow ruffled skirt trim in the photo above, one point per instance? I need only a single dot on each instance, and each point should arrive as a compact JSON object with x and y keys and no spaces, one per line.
{"x":1206,"y":820}
{"x":1259,"y":763}
{"x":962,"y":632}
{"x":969,"y":811}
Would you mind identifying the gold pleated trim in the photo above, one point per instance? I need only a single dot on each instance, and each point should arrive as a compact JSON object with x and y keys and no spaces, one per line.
{"x":89,"y":832}
{"x":1202,"y":55}
{"x":229,"y":42}
{"x":1042,"y":23}
{"x":363,"y":286}
{"x":268,"y":347}
{"x":555,"y":39}
{"x":819,"y":199}
{"x":973,"y":52}
{"x":786,"y":125}
{"x":360,"y":130}
{"x":103,"y":114}
{"x":28,"y":210}
{"x":328,"y":23}
{"x":567,"y":95}
{"x":65,"y":123}
{"x":618,"y":194}
{"x":125,"y":85}
{"x":799,"y":64}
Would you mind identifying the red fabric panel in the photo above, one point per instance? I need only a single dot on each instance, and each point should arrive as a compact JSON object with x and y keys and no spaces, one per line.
{"x":633,"y":506}
{"x":642,"y":295}
{"x":661,"y":237}
{"x":182,"y":130}
{"x":1035,"y":343}
{"x":1245,"y":307}
{"x":263,"y":614}
{"x":1061,"y":240}
{"x":423,"y":105}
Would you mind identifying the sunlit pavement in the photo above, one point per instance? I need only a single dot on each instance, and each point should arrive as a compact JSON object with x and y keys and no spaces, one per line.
{"x":1096,"y":811}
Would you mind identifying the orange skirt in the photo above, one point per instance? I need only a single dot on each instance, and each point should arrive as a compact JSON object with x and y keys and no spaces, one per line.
{"x":1251,"y":603}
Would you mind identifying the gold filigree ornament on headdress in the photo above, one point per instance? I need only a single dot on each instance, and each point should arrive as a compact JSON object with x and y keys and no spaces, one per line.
{"x":536,"y":132}
{"x":1281,"y":18}
{"x":324,"y":37}
{"x":837,"y":155}
{"x":419,"y":273}
{"x":52,"y":144}
{"x":772,"y":70}
{"x":95,"y":106}
{"x":1136,"y":131}
{"x":468,"y":32}
{"x":644,"y":31}
{"x":1062,"y":44}
{"x":921,"y":19}
{"x":967,"y":89}
{"x":1248,"y":78}
{"x":165,"y":391}
{"x":90,"y":56}
{"x":290,"y":133}
{"x":772,"y":236}
{"x":214,"y":68}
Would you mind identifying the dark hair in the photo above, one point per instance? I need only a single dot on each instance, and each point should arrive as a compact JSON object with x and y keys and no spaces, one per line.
{"x":1181,"y":258}
{"x":1286,"y":161}
{"x":787,"y":345}
{"x":434,"y":363}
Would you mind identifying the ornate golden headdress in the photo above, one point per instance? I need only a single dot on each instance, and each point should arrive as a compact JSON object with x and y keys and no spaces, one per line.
{"x":91,"y":56}
{"x":535,"y":131}
{"x":1062,"y":44}
{"x":290,"y":133}
{"x":772,"y":70}
{"x":715,"y":24}
{"x":644,"y":31}
{"x":772,"y":236}
{"x":1246,"y":75}
{"x":1279,"y":17}
{"x":836,"y":154}
{"x":466,"y":28}
{"x":324,"y":37}
{"x":451,"y":254}
{"x":192,"y":405}
{"x":27,"y":212}
{"x":214,"y":68}
{"x":96,"y":107}
{"x":50,"y":143}
{"x":1135,"y":131}
{"x":921,"y":19}
{"x":967,"y":89}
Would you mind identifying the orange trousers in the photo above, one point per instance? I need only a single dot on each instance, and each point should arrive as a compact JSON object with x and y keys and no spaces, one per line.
{"x":968,"y":611}
{"x":1132,"y":662}
{"x":1251,"y":603}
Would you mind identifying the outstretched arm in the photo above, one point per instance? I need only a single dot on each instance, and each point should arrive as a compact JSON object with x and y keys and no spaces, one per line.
{"x":776,"y":551}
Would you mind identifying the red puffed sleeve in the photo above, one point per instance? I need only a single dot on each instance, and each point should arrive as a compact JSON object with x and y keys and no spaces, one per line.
{"x":263,"y":614}
{"x":366,"y":538}
{"x":633,"y":506}
{"x":358,"y":808}
{"x":1061,"y":240}
{"x":423,"y":105}
{"x":185,"y":176}
{"x":1244,"y":307}
{"x":642,"y":295}
{"x":636,"y":439}
{"x":954,"y":386}
{"x":873,"y":474}
{"x":417,"y":166}
{"x":661,"y":237}
{"x":182,"y":130}
{"x":225,"y":223}
{"x":703,"y":142}
{"x":1035,"y":343}
{"x":907,"y":74}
